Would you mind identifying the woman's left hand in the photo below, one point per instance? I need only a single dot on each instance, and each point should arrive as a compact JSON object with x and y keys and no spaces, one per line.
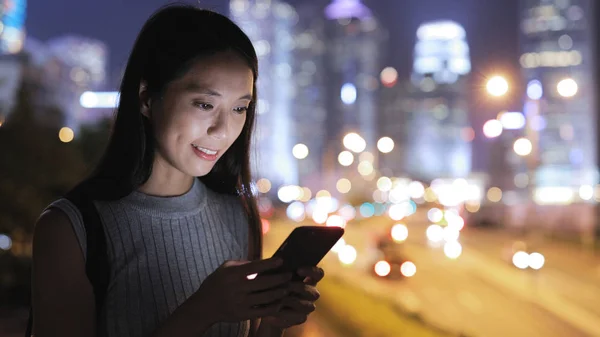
{"x":301,"y":302}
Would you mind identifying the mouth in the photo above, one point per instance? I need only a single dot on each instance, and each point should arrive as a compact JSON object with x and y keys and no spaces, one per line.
{"x":205,"y":153}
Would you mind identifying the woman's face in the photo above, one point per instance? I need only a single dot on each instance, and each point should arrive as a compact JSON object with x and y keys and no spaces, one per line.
{"x":201,"y":114}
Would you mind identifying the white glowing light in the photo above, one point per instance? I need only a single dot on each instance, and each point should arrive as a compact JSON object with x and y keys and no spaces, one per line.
{"x":416,"y":189}
{"x":408,"y":269}
{"x":521,"y":260}
{"x":536,"y":261}
{"x":523,"y":146}
{"x":382,"y":268}
{"x":91,"y":99}
{"x":497,"y":86}
{"x":567,"y":87}
{"x":452,"y":249}
{"x":451,"y":234}
{"x":586,"y":192}
{"x":535,"y":90}
{"x":347,"y":254}
{"x":300,"y":151}
{"x":492,"y":128}
{"x":385,"y":145}
{"x":348,"y":93}
{"x":345,"y":158}
{"x":512,"y":120}
{"x":435,"y":233}
{"x":335,"y":221}
{"x":435,"y":215}
{"x":399,"y":232}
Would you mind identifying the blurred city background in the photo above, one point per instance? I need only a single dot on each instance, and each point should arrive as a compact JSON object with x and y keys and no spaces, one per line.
{"x":455,"y":140}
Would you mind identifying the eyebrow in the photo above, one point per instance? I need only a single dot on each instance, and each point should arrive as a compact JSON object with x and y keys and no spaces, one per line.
{"x":194,"y":87}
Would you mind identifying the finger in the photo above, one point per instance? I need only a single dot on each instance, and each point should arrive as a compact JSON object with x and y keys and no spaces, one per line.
{"x":270,"y":309}
{"x":298,"y":306}
{"x":304,"y":291}
{"x":311,"y":275}
{"x":267,"y":281}
{"x":266,"y":297}
{"x":287,"y":318}
{"x":257,"y":267}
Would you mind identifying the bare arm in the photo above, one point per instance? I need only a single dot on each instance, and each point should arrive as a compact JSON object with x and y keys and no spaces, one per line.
{"x":63,"y":299}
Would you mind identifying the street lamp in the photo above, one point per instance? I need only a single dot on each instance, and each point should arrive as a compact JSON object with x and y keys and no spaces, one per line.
{"x":497,"y":86}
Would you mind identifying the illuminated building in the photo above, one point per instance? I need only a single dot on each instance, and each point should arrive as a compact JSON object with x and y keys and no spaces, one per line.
{"x":269,"y":25}
{"x":355,"y":42}
{"x":557,"y":62}
{"x":429,"y":116}
{"x":310,"y":109}
{"x":12,"y":28}
{"x":80,"y":65}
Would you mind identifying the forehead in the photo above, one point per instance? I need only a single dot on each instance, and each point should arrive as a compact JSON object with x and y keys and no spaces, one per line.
{"x":223,"y":72}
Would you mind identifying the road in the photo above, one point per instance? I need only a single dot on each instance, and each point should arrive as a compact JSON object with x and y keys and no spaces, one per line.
{"x":477,"y":294}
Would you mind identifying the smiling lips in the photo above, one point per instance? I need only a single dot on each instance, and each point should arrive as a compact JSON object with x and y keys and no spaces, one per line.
{"x":204,"y":153}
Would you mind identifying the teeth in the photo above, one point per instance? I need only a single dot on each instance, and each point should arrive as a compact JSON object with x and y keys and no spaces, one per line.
{"x":207,"y":151}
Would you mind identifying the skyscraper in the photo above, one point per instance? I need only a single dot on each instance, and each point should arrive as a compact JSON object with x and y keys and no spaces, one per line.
{"x":430,"y":115}
{"x":558,"y":65}
{"x":12,"y":33}
{"x":355,"y":43}
{"x":269,"y":25}
{"x":80,"y":64}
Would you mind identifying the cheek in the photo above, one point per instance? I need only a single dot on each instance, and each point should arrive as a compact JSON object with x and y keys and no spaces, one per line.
{"x":236,"y":128}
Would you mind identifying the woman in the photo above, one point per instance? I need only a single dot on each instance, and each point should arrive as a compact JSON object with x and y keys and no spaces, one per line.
{"x":173,"y":194}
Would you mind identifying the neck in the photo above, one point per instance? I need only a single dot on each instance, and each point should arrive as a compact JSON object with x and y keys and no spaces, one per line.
{"x":166,"y":181}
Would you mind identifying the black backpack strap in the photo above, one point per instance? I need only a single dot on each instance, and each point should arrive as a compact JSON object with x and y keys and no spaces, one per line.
{"x":96,"y":265}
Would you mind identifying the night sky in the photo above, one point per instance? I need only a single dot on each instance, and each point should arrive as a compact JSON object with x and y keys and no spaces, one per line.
{"x":491,"y":25}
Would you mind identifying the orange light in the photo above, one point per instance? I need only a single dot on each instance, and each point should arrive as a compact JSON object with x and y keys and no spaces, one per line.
{"x":266,"y":226}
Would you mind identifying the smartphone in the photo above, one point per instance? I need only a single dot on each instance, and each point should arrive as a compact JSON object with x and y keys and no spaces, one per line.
{"x":306,"y":246}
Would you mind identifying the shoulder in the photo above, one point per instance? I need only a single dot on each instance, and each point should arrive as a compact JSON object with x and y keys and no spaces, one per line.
{"x":61,"y":291}
{"x":64,"y":215}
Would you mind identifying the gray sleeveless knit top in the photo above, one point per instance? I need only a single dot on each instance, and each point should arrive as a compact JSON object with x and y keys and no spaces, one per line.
{"x":160,"y":249}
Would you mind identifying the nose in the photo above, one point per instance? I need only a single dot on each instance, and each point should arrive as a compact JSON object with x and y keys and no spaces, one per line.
{"x":219,"y":126}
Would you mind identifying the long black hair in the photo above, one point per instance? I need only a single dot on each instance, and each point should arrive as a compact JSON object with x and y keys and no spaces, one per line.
{"x":169,"y":43}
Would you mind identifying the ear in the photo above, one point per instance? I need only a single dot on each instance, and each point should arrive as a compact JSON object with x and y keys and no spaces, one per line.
{"x":144,"y":99}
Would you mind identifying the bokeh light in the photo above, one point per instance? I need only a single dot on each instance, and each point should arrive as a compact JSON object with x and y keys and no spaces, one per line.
{"x":300,"y":151}
{"x":345,"y":158}
{"x":385,"y":145}
{"x":497,"y":86}
{"x":567,"y":87}
{"x":522,"y":146}
{"x":382,"y":268}
{"x":343,"y":185}
{"x":492,"y":128}
{"x":408,"y":269}
{"x":66,"y":134}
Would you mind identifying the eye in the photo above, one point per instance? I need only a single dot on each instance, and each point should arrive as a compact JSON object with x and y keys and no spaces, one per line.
{"x":241,"y":109}
{"x":203,"y":106}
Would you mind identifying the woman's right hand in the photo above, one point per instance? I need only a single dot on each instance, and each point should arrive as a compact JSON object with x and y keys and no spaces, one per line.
{"x":229,"y":295}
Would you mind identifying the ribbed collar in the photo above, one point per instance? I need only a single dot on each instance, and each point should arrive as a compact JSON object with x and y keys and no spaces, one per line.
{"x":188,"y":203}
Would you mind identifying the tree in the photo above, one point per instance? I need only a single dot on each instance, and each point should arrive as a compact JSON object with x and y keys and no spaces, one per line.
{"x":36,"y":167}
